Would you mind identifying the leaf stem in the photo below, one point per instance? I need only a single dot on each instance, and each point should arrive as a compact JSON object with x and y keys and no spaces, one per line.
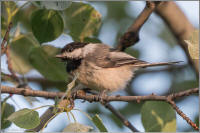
{"x":87,"y":115}
{"x":68,"y":116}
{"x":73,"y":116}
{"x":43,"y":107}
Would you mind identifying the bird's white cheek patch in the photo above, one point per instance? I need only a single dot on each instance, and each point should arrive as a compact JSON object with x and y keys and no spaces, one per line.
{"x":77,"y":53}
{"x":89,"y":49}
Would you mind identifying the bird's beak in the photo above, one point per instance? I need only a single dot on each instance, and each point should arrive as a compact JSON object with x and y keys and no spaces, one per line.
{"x":59,"y":56}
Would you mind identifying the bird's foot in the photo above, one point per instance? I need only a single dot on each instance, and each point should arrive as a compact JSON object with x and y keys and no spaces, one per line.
{"x":102,"y":97}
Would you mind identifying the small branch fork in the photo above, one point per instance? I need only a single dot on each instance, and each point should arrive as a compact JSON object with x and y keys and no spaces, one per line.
{"x":173,"y":104}
{"x":94,"y":98}
{"x":132,"y":35}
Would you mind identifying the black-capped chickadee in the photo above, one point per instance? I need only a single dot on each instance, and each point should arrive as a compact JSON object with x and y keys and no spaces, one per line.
{"x":101,"y":67}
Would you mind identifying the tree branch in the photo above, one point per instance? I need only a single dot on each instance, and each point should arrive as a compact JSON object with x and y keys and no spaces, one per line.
{"x":121,"y":117}
{"x":7,"y":51}
{"x":95,"y":98}
{"x":132,"y":35}
{"x":179,"y":25}
{"x":183,"y":115}
{"x":173,"y":17}
{"x":5,"y":39}
{"x":117,"y":114}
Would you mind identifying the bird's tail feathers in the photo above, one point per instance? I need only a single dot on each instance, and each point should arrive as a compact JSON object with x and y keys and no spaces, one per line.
{"x":156,"y":64}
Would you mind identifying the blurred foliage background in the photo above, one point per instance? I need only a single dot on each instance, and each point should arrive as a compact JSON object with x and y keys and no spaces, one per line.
{"x":32,"y":49}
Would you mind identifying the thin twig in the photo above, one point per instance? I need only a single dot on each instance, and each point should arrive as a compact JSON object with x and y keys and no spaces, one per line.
{"x":10,"y":65}
{"x":5,"y":49}
{"x":5,"y":39}
{"x":120,"y":117}
{"x":116,"y":113}
{"x":132,"y":35}
{"x":183,"y":115}
{"x":174,"y":96}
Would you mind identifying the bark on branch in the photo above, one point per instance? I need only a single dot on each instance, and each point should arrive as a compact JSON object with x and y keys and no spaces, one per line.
{"x":5,"y":39}
{"x":95,"y":98}
{"x":175,"y":19}
{"x":132,"y":35}
{"x":120,"y":117}
{"x":183,"y":115}
{"x":179,"y":25}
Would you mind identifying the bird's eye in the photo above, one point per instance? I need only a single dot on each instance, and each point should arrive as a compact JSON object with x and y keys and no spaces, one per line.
{"x":69,"y":50}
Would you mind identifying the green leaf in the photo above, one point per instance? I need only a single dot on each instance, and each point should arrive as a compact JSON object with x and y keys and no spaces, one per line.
{"x":19,"y":51}
{"x":117,"y":10}
{"x":55,"y":5}
{"x":99,"y":124}
{"x":77,"y":127}
{"x":91,"y":40}
{"x":36,"y":3}
{"x":82,"y":20}
{"x":132,"y":52}
{"x":43,"y":59}
{"x":167,"y":36}
{"x":184,"y":85}
{"x":197,"y":120}
{"x":46,"y":25}
{"x":6,"y":110}
{"x":21,"y":19}
{"x":25,"y":118}
{"x":158,"y":116}
{"x":50,"y":50}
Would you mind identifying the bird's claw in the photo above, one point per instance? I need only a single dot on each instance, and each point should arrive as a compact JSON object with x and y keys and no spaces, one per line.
{"x":102,"y":97}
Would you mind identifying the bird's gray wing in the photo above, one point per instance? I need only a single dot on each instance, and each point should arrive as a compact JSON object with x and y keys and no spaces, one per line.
{"x":121,"y":58}
{"x":105,"y":57}
{"x":100,"y":57}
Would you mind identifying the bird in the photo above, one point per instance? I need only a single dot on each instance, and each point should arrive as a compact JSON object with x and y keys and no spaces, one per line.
{"x":101,"y":67}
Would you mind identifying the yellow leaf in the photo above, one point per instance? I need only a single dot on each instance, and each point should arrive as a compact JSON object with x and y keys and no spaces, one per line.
{"x":193,"y":44}
{"x":169,"y":126}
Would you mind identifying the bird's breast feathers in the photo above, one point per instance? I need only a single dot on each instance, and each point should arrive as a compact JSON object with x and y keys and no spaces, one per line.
{"x":110,"y":79}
